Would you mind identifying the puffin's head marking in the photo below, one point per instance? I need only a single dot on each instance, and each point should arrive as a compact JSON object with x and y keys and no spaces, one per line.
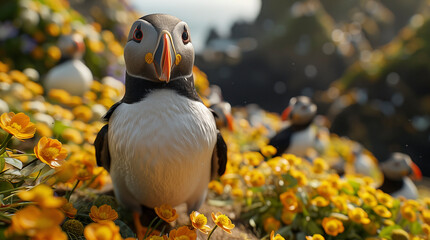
{"x":159,"y":48}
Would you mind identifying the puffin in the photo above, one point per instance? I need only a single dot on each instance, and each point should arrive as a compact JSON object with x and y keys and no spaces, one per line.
{"x":398,"y":170}
{"x":300,"y":134}
{"x":160,"y":144}
{"x":221,"y":108}
{"x":71,"y":74}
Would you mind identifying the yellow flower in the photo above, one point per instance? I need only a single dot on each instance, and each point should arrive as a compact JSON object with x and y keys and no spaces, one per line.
{"x":332,"y":226}
{"x":43,"y":129}
{"x":268,"y":150}
{"x":52,"y":29}
{"x":408,"y":212}
{"x":253,"y":158}
{"x":29,"y":220}
{"x":166,"y":212}
{"x":382,"y":211}
{"x":84,"y":169}
{"x":340,"y":203}
{"x":255,"y":178}
{"x":223,"y":222}
{"x":54,"y":53}
{"x":54,"y":233}
{"x":237,"y":192}
{"x":292,"y":159}
{"x":271,"y":224}
{"x":199,"y":221}
{"x":320,"y":202}
{"x":277,"y":237}
{"x":50,"y":152}
{"x":69,"y":210}
{"x":106,"y":230}
{"x":103,"y":213}
{"x":72,"y":135}
{"x":60,"y":95}
{"x":42,"y":195}
{"x":426,"y":230}
{"x":216,"y":186}
{"x":326,"y":190}
{"x":315,"y":237}
{"x":287,"y":217}
{"x":18,"y":76}
{"x":385,"y":199}
{"x":358,"y":215}
{"x":182,"y":233}
{"x":289,"y":200}
{"x":301,"y":178}
{"x":279,"y":165}
{"x":18,"y":125}
{"x":319,"y":165}
{"x":83,"y":113}
{"x":368,"y":199}
{"x":425,"y":214}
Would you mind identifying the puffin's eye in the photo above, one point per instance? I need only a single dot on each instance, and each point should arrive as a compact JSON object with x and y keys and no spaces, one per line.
{"x":185,"y":36}
{"x":138,"y":34}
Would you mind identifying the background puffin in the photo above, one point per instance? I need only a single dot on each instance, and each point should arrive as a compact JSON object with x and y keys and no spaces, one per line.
{"x":71,"y":74}
{"x":161,"y":145}
{"x":299,"y":135}
{"x":221,"y":108}
{"x":397,"y":171}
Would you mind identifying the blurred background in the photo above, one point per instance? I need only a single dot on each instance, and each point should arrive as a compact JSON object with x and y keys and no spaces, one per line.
{"x":365,"y":63}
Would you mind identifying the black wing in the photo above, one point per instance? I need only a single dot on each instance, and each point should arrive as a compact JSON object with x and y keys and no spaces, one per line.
{"x":219,"y":157}
{"x":102,"y":148}
{"x":281,"y":141}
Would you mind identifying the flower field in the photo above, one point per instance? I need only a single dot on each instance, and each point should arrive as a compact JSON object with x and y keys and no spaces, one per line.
{"x":52,"y":188}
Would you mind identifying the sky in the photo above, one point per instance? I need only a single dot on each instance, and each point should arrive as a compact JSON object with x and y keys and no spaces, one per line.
{"x":202,"y":15}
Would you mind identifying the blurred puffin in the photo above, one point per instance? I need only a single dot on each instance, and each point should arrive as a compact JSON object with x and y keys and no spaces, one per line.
{"x":71,"y":74}
{"x":221,"y":108}
{"x":397,"y":171}
{"x":299,"y":135}
{"x":161,"y":144}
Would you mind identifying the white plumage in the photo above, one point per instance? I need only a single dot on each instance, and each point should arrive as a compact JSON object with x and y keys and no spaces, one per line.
{"x":163,"y":146}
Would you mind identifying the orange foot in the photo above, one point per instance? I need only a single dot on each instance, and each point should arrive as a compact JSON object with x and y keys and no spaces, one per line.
{"x":141,"y":230}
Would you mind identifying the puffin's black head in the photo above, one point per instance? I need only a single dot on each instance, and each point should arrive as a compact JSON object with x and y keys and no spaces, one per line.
{"x":400,"y":165}
{"x":159,"y":48}
{"x":301,"y":110}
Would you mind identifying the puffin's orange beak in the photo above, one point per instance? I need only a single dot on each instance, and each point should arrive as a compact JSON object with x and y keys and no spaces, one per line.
{"x":416,"y":172}
{"x":286,"y":113}
{"x":230,"y":123}
{"x":164,"y":58}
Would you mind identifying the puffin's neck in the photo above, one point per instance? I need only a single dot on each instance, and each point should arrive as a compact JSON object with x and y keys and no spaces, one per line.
{"x":300,"y":127}
{"x":391,"y":185}
{"x":137,"y":89}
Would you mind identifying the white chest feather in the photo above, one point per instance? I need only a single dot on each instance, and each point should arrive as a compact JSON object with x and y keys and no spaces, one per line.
{"x":301,"y":141}
{"x":409,"y":190}
{"x":161,"y":148}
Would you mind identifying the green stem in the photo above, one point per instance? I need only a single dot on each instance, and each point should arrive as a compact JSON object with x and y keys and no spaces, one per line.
{"x":13,"y":205}
{"x":22,"y":155}
{"x":210,"y":234}
{"x":156,"y":226}
{"x":149,"y":227}
{"x":4,"y":144}
{"x":11,"y":190}
{"x":37,"y":176}
{"x":73,"y":189}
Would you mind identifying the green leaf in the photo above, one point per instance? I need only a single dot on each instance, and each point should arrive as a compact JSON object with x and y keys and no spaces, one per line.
{"x":416,"y":228}
{"x":5,"y":186}
{"x":14,"y":162}
{"x":289,"y":181}
{"x":386,"y":232}
{"x":2,"y":163}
